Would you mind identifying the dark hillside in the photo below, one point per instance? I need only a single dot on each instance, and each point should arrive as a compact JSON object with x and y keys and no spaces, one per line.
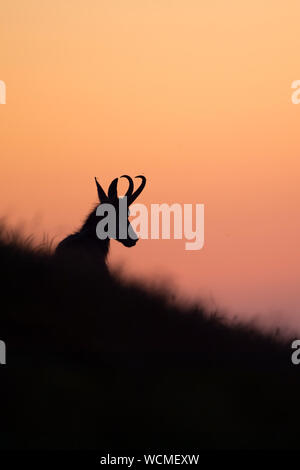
{"x":95,"y":362}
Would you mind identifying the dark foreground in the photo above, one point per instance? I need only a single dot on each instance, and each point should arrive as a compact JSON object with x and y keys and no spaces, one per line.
{"x":95,"y":363}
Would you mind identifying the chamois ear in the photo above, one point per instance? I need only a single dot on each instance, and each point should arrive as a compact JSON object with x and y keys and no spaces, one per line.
{"x":101,"y":193}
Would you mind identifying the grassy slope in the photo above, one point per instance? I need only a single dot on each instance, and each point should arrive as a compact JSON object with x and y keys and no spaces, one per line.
{"x":93,"y":362}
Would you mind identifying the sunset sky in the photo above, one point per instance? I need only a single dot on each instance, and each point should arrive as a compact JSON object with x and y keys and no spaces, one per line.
{"x":194,"y":95}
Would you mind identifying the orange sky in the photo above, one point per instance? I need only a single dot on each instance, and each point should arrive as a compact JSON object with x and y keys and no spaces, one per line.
{"x":196,"y":96}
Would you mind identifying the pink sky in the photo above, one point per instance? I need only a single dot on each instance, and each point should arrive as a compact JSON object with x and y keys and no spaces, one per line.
{"x":195,"y":96}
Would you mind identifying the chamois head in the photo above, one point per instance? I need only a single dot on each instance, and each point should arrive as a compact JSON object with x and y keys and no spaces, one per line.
{"x":124,"y":232}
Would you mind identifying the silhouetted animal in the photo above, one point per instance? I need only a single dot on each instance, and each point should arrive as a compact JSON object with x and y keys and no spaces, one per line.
{"x":98,"y":369}
{"x":84,"y":244}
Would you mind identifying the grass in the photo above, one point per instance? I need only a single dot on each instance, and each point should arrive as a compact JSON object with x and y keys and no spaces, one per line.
{"x":96,"y":362}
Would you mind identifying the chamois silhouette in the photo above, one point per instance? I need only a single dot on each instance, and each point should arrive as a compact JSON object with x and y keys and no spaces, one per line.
{"x":85,"y":244}
{"x":95,"y":362}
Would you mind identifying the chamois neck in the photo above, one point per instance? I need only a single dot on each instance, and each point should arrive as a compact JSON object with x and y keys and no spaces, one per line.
{"x":88,"y":229}
{"x":90,"y":223}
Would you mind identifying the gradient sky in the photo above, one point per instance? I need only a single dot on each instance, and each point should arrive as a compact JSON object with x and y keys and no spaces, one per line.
{"x":196,"y":96}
